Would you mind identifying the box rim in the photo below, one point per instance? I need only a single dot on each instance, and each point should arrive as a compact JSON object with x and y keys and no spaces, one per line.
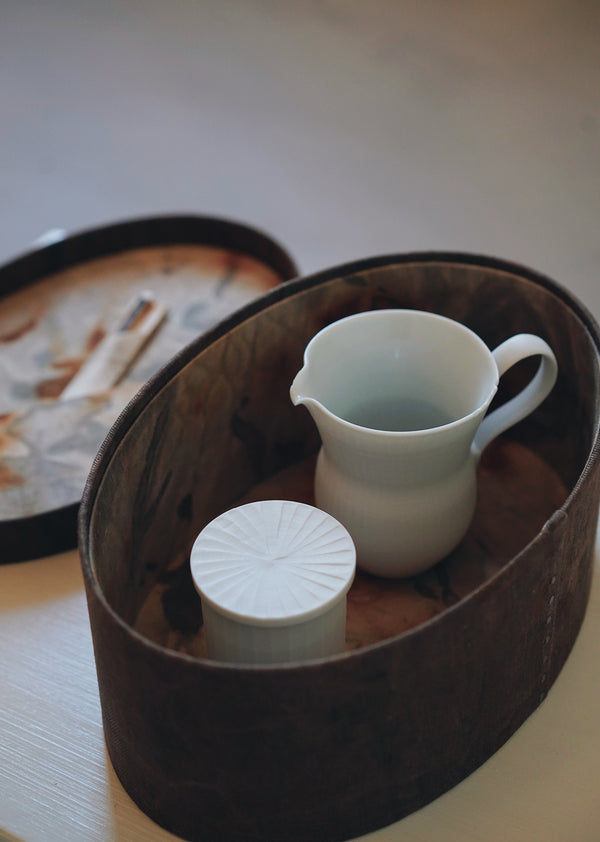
{"x":154,"y":386}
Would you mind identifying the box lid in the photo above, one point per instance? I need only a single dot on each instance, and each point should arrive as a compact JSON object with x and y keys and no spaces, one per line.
{"x":59,"y":304}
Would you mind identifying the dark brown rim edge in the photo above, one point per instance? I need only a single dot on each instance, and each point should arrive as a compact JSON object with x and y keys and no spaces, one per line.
{"x":55,"y":530}
{"x":142,"y":232}
{"x":132,"y":411}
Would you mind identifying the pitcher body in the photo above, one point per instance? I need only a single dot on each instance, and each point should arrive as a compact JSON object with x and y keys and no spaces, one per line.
{"x":406,"y":503}
{"x":400,"y":400}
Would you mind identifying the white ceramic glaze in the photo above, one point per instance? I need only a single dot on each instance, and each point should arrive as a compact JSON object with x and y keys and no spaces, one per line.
{"x":273,"y":577}
{"x":399,"y":398}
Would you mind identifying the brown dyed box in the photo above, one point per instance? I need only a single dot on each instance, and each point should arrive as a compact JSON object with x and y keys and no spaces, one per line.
{"x":439,"y":670}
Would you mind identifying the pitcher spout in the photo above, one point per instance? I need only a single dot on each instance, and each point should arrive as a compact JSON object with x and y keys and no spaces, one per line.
{"x":300,"y":394}
{"x":299,"y":389}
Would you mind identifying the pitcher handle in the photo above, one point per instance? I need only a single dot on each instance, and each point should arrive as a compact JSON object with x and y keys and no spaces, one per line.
{"x":506,"y":355}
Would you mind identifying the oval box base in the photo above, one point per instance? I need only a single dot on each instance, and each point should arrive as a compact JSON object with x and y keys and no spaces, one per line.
{"x":439,"y":671}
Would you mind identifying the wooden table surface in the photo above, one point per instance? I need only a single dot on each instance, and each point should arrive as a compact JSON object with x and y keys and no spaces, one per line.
{"x":344,"y":129}
{"x":57,"y":783}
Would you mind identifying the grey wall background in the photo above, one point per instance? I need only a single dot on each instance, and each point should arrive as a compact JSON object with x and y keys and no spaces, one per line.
{"x":343,"y":128}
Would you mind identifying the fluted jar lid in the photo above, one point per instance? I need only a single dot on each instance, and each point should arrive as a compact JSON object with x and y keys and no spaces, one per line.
{"x":273,"y":562}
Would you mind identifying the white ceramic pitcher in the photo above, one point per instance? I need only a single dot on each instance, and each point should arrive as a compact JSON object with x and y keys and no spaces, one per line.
{"x":399,"y":398}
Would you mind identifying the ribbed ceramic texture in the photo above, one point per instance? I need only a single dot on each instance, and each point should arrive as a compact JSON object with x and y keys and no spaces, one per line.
{"x":241,"y":643}
{"x":273,"y":562}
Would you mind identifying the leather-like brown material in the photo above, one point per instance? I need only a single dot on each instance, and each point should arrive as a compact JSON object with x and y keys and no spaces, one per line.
{"x":330,"y":749}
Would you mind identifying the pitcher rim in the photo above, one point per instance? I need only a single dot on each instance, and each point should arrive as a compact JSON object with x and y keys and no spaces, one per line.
{"x":463,"y":419}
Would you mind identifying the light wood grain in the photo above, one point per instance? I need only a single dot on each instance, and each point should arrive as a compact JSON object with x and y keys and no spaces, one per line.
{"x":56,"y":782}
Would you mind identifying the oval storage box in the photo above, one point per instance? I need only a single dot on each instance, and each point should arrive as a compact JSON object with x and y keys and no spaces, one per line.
{"x":439,"y":671}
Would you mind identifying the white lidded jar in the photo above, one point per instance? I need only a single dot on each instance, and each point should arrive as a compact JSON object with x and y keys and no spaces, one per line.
{"x":273,"y":578}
